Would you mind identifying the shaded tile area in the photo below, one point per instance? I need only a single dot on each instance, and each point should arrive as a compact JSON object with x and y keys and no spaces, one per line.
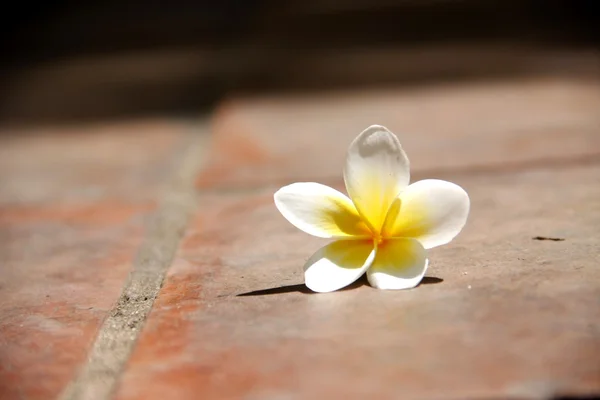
{"x":463,"y":127}
{"x":73,"y":210}
{"x":126,"y":160}
{"x":500,"y":314}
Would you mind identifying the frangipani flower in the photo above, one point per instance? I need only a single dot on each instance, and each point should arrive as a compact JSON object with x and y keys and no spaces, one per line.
{"x":386,"y":225}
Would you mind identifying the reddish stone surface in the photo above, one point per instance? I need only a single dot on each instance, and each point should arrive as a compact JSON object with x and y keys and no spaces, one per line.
{"x":499,"y":315}
{"x":471,"y":126}
{"x":122,"y":161}
{"x":73,"y":209}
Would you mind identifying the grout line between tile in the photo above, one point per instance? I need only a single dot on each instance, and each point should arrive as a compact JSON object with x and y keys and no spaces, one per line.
{"x":98,"y":377}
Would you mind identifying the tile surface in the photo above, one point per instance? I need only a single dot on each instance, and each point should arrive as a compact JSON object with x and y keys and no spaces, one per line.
{"x":500,"y":314}
{"x":72,"y":217}
{"x":470,"y":126}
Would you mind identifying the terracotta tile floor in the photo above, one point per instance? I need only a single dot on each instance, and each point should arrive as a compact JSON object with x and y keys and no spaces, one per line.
{"x":500,"y":315}
{"x":73,"y":207}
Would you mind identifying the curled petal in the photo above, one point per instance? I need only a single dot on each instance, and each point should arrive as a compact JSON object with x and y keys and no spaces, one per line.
{"x":320,"y":211}
{"x":399,"y":264}
{"x":376,"y":170}
{"x":432,"y":211}
{"x":338,"y":264}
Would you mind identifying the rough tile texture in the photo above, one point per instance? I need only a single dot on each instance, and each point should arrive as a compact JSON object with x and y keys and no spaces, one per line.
{"x":468,"y":126}
{"x":499,"y":315}
{"x":72,"y":216}
{"x":97,"y":379}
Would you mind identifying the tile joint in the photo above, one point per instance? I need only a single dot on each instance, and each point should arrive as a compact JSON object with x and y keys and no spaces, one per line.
{"x":99,"y":376}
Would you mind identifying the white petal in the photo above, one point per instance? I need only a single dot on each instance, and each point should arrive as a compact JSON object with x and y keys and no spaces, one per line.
{"x":399,"y":264}
{"x":338,"y":264}
{"x":376,"y":170}
{"x":320,"y":211}
{"x":431,"y":211}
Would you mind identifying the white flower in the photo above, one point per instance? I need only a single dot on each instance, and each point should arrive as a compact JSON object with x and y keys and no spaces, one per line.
{"x":385,"y":226}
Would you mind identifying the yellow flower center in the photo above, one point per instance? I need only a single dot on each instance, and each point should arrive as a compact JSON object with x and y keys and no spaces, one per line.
{"x":382,"y":230}
{"x":377,"y":238}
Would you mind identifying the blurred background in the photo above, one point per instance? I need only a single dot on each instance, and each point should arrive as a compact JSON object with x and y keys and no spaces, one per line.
{"x":69,"y":61}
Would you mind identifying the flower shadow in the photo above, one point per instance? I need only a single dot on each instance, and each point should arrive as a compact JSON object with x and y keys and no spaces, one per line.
{"x":301,"y":288}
